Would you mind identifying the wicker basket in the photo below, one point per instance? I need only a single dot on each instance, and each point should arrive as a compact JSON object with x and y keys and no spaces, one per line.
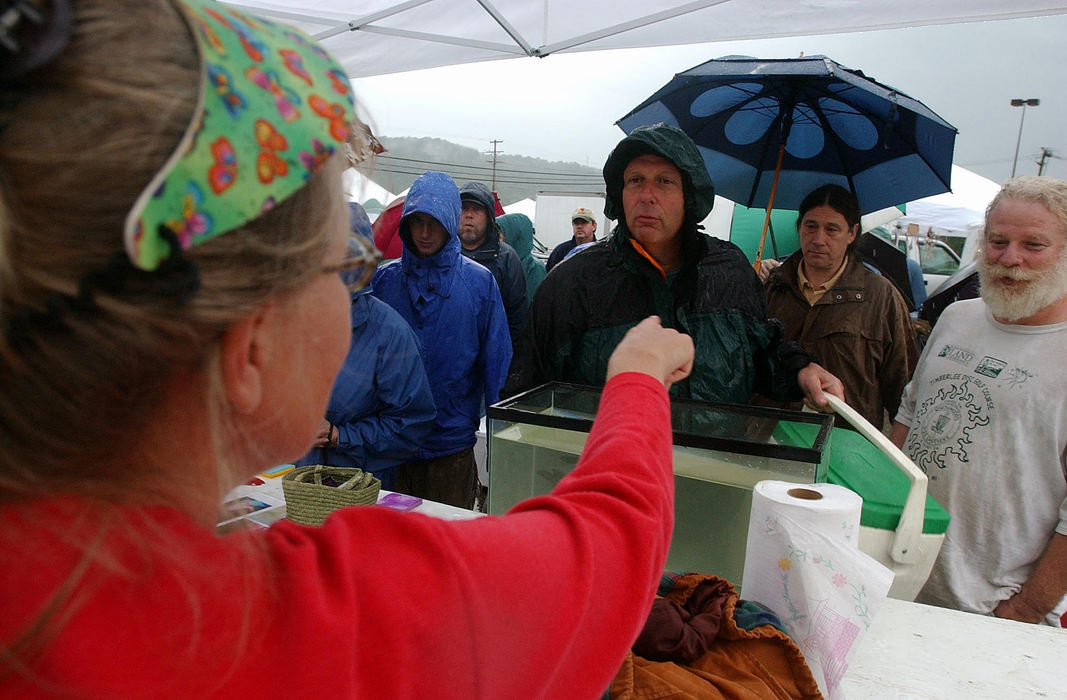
{"x":313,"y":492}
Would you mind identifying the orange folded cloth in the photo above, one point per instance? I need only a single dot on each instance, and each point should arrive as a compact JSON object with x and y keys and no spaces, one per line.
{"x":702,"y":653}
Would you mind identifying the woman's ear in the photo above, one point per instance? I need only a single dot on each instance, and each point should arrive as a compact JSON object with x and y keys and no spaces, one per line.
{"x":242,"y":357}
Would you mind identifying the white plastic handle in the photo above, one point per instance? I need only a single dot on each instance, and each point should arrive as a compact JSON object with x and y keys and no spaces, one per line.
{"x":905,"y":548}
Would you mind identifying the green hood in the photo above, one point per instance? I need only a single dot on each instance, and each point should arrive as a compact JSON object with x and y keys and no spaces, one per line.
{"x":667,"y":142}
{"x":518,"y":232}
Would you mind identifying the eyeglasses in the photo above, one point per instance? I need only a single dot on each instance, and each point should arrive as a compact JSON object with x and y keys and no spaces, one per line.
{"x":361,"y":259}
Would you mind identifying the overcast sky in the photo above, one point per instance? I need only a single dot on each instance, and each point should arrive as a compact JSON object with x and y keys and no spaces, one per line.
{"x":564,"y":107}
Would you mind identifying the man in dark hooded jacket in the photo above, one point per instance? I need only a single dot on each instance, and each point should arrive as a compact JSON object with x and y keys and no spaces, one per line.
{"x":480,"y":238}
{"x":659,"y":262}
{"x":454,"y":307}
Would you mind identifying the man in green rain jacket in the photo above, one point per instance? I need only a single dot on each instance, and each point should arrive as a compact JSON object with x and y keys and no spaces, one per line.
{"x":658,"y":262}
{"x":518,"y":231}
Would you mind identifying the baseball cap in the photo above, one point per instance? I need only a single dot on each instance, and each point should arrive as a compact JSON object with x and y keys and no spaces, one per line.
{"x":583,"y":213}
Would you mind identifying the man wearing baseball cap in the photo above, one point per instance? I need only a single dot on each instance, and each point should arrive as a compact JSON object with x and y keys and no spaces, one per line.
{"x":659,"y":262}
{"x":583,"y":221}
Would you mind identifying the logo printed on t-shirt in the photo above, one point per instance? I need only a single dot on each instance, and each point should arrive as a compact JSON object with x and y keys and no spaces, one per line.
{"x":945,"y":420}
{"x":957,"y":354}
{"x":1017,"y":376}
{"x":990,"y":367}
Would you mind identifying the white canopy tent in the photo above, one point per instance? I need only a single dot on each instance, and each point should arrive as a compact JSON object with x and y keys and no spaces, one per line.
{"x":374,"y":37}
{"x":523,"y":206}
{"x":960,"y":212}
{"x":360,"y":188}
{"x":957,"y":212}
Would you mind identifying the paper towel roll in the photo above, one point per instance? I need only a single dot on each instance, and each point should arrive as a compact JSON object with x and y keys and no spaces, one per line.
{"x":802,"y":561}
{"x":826,"y":508}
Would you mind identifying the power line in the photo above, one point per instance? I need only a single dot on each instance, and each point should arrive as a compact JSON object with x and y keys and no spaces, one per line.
{"x":483,"y":167}
{"x":461,"y":173}
{"x":540,"y":184}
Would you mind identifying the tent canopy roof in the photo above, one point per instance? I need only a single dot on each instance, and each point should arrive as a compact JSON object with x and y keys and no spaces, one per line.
{"x":375,"y":37}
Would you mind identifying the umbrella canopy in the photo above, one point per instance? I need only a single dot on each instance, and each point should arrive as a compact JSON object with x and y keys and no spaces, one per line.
{"x":386,"y":230}
{"x":888,"y":260}
{"x":772,"y":130}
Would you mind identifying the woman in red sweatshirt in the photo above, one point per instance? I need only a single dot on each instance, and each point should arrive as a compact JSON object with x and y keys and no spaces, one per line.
{"x":173,"y":273}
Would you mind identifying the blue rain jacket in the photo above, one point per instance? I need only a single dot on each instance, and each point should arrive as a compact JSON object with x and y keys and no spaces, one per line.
{"x":454,"y":306}
{"x":381,"y":401}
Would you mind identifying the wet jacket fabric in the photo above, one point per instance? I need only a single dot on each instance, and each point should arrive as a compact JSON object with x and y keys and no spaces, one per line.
{"x":454,"y":307}
{"x":582,"y":310}
{"x":381,"y":403}
{"x":693,"y":647}
{"x":519,"y":232}
{"x":560,"y":252}
{"x":860,"y":330}
{"x":502,"y":260}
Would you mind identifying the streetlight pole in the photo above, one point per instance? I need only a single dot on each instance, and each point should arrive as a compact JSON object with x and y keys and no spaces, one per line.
{"x":1024,"y":103}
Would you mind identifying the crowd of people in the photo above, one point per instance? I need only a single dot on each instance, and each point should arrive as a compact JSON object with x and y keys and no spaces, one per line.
{"x":184,"y":304}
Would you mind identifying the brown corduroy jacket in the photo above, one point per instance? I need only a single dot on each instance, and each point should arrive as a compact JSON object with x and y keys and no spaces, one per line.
{"x":859,"y":330}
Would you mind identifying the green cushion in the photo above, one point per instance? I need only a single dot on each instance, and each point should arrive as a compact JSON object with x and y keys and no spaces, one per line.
{"x":858,"y":465}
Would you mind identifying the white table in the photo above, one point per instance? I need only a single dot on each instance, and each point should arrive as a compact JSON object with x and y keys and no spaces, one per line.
{"x":915,"y":651}
{"x":440,"y":510}
{"x":919,"y":651}
{"x":910,"y":652}
{"x":266,"y":505}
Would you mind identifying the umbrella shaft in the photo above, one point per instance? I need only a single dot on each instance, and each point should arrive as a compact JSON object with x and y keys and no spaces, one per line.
{"x":770,"y":205}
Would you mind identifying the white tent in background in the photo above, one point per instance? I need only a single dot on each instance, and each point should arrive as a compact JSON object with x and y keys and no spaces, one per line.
{"x":523,"y":206}
{"x":360,"y":188}
{"x":720,"y":219}
{"x":960,"y":212}
{"x":953,"y":213}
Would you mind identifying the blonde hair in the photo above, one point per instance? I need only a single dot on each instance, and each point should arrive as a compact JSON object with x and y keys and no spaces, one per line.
{"x":79,"y":141}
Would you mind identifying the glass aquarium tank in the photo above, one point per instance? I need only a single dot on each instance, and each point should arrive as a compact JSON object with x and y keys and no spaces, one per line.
{"x":720,"y":452}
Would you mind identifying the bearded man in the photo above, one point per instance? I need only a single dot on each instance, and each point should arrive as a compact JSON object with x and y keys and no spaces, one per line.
{"x":985,"y":416}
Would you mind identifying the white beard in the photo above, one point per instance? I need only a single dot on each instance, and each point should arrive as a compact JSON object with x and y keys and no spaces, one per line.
{"x":1011,"y":304}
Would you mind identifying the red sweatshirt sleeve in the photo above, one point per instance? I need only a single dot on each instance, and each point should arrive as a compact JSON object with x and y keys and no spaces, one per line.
{"x":542,"y":602}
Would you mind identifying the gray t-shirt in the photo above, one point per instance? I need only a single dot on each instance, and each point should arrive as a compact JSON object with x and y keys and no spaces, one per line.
{"x":987,"y":410}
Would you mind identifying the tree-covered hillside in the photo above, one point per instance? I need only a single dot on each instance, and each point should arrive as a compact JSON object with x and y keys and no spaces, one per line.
{"x":517,"y":177}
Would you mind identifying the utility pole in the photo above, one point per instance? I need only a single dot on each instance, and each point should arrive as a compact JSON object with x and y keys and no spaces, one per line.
{"x":494,"y":153}
{"x":1045,"y":153}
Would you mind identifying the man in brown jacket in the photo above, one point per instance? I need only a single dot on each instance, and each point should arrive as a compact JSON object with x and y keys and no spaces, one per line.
{"x":850,"y":318}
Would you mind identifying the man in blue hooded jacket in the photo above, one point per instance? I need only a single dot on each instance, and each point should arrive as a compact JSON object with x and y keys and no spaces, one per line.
{"x":454,"y":307}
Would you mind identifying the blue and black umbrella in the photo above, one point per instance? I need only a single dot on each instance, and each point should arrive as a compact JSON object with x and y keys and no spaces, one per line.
{"x":772,"y":130}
